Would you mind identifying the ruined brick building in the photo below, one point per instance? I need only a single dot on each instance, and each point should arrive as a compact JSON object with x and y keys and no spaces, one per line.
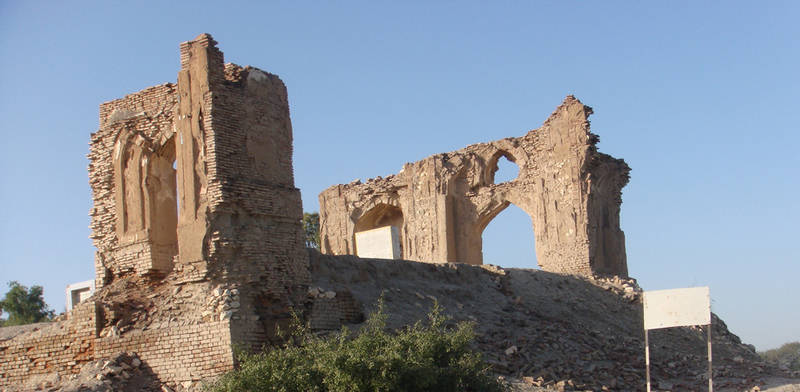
{"x":196,"y":219}
{"x":441,"y":204}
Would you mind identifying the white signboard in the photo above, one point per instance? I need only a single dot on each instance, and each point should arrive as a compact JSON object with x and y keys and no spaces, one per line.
{"x":677,"y":308}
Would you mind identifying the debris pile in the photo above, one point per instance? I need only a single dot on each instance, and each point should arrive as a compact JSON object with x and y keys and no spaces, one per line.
{"x":123,"y":372}
{"x":539,"y":329}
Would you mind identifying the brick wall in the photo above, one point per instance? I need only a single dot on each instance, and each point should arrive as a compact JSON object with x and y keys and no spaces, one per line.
{"x":177,"y":353}
{"x":60,"y":347}
{"x":149,"y":115}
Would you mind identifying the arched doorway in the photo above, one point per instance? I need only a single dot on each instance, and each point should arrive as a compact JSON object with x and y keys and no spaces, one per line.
{"x":379,"y":232}
{"x":508,"y":239}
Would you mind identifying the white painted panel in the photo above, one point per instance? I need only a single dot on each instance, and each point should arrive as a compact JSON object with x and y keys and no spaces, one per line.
{"x":78,"y":292}
{"x":677,"y":307}
{"x":380,"y":243}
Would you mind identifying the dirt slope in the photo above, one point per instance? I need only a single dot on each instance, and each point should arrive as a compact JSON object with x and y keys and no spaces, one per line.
{"x":538,"y":329}
{"x":541,"y":328}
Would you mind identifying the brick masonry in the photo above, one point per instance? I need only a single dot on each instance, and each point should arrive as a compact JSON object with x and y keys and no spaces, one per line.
{"x":196,"y":221}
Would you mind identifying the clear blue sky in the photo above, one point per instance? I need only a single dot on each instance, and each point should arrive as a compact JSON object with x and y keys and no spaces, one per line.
{"x":698,"y":97}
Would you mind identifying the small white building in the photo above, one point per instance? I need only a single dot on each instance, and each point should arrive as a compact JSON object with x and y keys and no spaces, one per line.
{"x":79,"y":292}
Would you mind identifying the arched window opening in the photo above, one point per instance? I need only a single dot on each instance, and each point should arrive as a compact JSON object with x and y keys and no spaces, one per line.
{"x":378,"y":233}
{"x":508,"y":240}
{"x":505,"y":169}
{"x":130,"y":152}
{"x":146,"y":200}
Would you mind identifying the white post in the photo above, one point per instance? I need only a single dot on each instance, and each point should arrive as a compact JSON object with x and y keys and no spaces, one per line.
{"x":677,"y":308}
{"x":710,"y":373}
{"x":647,"y":356}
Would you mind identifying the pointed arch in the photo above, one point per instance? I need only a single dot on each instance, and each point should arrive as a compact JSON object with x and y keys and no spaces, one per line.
{"x":378,"y":216}
{"x":146,"y":198}
{"x":494,"y":167}
{"x":130,"y":158}
{"x":511,"y":240}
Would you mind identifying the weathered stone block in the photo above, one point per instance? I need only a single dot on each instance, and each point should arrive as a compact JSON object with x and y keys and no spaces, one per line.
{"x":380,"y":243}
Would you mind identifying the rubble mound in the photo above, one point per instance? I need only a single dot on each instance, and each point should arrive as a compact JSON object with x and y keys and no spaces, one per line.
{"x":542,"y":329}
{"x":539,"y":330}
{"x":786,"y":358}
{"x":122,"y":372}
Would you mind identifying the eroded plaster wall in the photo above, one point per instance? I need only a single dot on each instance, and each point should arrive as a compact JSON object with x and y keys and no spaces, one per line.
{"x":443,"y":203}
{"x":126,"y":173}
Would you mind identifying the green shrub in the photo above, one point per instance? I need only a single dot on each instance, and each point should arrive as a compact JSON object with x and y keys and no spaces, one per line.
{"x":788,"y":354}
{"x":424,"y":357}
{"x":24,"y":306}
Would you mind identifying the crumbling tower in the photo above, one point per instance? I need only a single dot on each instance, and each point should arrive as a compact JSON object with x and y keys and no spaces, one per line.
{"x":193,"y":186}
{"x":196,"y":221}
{"x":197,"y":177}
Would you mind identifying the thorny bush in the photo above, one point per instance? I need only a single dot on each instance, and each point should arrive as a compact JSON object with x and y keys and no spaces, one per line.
{"x":424,"y":357}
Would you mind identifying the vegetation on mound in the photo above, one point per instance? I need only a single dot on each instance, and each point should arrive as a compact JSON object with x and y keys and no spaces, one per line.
{"x":424,"y":357}
{"x":24,"y":306}
{"x":311,"y":229}
{"x":787,"y":355}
